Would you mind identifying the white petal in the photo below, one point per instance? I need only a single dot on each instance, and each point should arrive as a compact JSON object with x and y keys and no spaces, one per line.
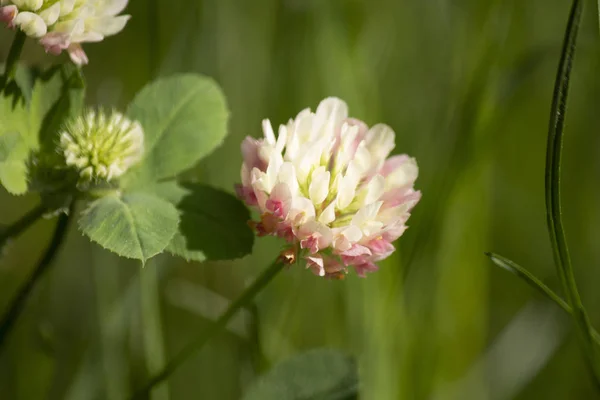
{"x":328,"y":214}
{"x":406,"y":174}
{"x":33,"y":5}
{"x":375,"y":189}
{"x":66,"y":6}
{"x":51,"y":14}
{"x":362,"y":158}
{"x":302,"y":205}
{"x":114,"y":7}
{"x":380,"y":140}
{"x":31,"y":24}
{"x":346,"y":191}
{"x":366,"y":214}
{"x":330,"y":113}
{"x":275,"y":163}
{"x":352,"y":233}
{"x":281,"y":138}
{"x":319,"y":185}
{"x":287,"y":175}
{"x":268,"y":132}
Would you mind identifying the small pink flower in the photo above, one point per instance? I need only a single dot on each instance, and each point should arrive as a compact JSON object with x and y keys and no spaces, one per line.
{"x":63,"y":25}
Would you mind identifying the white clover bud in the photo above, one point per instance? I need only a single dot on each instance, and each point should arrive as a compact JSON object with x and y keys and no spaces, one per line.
{"x":65,"y":24}
{"x":101,"y":147}
{"x":325,"y":184}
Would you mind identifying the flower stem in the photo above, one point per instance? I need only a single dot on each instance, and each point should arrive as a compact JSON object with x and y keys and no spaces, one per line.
{"x":18,"y":302}
{"x":21,"y":225}
{"x":13,"y":56}
{"x":244,"y":300}
{"x":553,"y":192}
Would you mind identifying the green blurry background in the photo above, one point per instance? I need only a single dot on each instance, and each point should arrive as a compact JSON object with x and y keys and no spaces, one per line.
{"x":467,"y":86}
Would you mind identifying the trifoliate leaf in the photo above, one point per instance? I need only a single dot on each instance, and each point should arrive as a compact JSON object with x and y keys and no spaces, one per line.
{"x":135,"y":225}
{"x":184,"y":119}
{"x":321,"y":374}
{"x":213,"y":223}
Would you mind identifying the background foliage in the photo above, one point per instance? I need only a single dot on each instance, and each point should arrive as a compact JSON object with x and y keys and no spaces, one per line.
{"x":466,"y":85}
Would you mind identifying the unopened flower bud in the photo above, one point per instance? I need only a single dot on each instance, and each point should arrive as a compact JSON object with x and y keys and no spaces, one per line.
{"x":101,"y":147}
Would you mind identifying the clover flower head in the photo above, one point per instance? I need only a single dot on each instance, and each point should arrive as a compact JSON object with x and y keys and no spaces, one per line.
{"x":65,"y":24}
{"x":101,"y":147}
{"x":325,"y":184}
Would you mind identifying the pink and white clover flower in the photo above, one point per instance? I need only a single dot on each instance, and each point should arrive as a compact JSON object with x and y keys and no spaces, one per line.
{"x":65,"y":24}
{"x":326,"y":186}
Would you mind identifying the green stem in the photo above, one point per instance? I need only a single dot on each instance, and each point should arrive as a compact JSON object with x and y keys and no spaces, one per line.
{"x":241,"y":302}
{"x":535,"y":283}
{"x":21,"y":225}
{"x":556,"y":231}
{"x":13,"y":56}
{"x":152,"y":326}
{"x":18,"y":303}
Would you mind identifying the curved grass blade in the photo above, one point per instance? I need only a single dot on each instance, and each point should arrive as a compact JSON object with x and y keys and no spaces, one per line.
{"x":530,"y":279}
{"x":535,"y":283}
{"x":553,"y":203}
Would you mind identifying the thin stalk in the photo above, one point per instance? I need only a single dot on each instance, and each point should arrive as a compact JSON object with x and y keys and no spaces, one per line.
{"x":556,"y":231}
{"x":21,"y":225}
{"x":18,"y":303}
{"x":152,"y":330}
{"x":192,"y":348}
{"x":13,"y":56}
{"x":535,"y":283}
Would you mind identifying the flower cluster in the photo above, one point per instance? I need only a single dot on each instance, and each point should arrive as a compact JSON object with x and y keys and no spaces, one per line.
{"x":325,"y":184}
{"x":101,"y":147}
{"x":65,"y":24}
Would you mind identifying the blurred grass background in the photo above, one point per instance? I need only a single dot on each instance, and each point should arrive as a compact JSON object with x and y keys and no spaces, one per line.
{"x":466,"y":84}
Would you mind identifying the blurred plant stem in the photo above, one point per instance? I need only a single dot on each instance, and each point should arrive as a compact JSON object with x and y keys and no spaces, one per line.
{"x":21,"y":225}
{"x":13,"y":57}
{"x":558,"y":239}
{"x":241,"y":302}
{"x":152,"y":330}
{"x":18,"y":303}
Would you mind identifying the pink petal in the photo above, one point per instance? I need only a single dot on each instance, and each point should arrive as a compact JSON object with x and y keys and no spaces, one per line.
{"x":381,"y":248}
{"x":77,"y":54}
{"x":251,"y":153}
{"x":362,"y":269}
{"x":393,"y":163}
{"x":400,"y":196}
{"x":357,"y":254}
{"x":246,"y":194}
{"x":8,"y":14}
{"x":280,"y":201}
